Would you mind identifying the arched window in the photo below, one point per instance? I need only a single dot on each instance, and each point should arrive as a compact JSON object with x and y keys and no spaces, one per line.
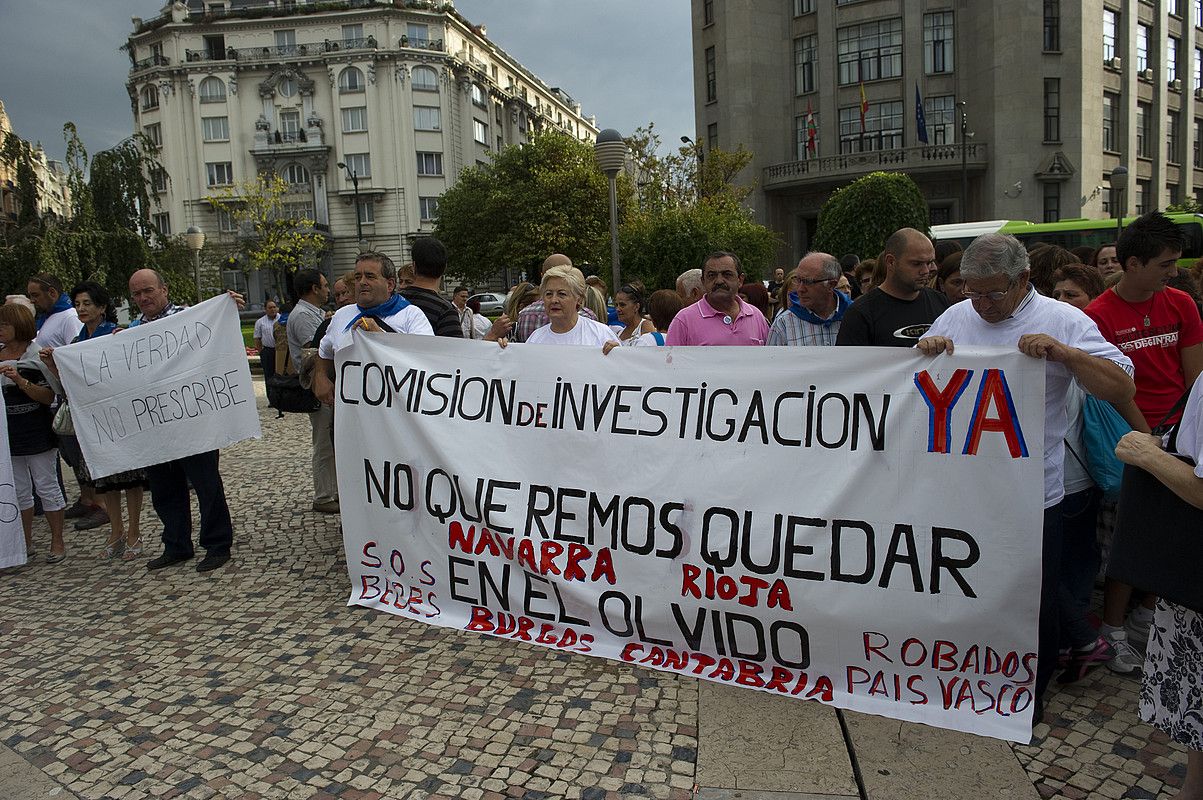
{"x":212,"y":90}
{"x":150,"y":97}
{"x":295,"y":174}
{"x":478,"y":95}
{"x":350,"y":80}
{"x":426,"y":78}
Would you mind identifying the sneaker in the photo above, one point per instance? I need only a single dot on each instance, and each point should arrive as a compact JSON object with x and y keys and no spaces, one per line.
{"x":1137,"y":626}
{"x":1126,"y":660}
{"x":95,"y":517}
{"x":77,"y":510}
{"x":1084,"y":659}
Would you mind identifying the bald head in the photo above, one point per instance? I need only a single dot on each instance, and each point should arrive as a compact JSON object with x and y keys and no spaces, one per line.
{"x":555,"y":260}
{"x":910,"y":263}
{"x":149,"y":291}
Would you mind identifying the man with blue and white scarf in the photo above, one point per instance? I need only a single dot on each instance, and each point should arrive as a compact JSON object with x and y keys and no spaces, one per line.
{"x":815,"y":308}
{"x":56,"y":320}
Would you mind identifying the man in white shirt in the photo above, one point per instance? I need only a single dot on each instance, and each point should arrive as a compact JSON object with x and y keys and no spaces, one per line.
{"x":56,"y":319}
{"x":376,"y":308}
{"x":265,"y":339}
{"x":1004,"y":309}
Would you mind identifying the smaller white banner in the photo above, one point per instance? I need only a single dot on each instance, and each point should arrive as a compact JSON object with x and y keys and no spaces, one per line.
{"x":12,"y":538}
{"x":162,"y":390}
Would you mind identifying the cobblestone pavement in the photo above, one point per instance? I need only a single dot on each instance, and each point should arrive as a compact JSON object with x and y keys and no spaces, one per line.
{"x":258,"y":681}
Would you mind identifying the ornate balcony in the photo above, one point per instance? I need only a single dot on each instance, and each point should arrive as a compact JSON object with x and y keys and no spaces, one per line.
{"x":156,"y":60}
{"x":284,"y":51}
{"x":914,"y":160}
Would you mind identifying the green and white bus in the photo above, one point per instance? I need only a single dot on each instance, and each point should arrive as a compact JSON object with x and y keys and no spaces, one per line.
{"x":1070,"y":233}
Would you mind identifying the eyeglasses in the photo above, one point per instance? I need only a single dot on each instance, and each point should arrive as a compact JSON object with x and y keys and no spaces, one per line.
{"x":993,"y":297}
{"x":808,"y":282}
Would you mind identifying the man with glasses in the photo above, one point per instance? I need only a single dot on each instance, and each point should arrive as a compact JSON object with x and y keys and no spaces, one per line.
{"x":720,"y":317}
{"x":814,"y":308}
{"x":899,"y":311}
{"x":1003,"y":309}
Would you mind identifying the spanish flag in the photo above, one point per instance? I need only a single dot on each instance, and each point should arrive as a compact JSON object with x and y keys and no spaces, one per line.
{"x":864,"y":106}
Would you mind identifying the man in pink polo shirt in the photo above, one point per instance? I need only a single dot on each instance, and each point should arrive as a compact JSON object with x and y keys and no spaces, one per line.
{"x":721,"y":317}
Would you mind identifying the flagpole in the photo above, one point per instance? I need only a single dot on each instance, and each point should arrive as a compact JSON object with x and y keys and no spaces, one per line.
{"x":964,"y":163}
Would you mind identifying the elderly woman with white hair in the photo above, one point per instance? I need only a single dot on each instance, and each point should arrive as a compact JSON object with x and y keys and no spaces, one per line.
{"x":563,"y":292}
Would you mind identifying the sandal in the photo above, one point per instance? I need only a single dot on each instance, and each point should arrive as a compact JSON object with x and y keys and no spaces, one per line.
{"x":134,"y":550}
{"x":56,"y":558}
{"x":113,"y":550}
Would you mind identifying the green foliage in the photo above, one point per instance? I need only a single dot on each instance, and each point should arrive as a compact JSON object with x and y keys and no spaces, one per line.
{"x":544,"y":197}
{"x":16,"y":152}
{"x":1189,"y":205}
{"x":859,"y":217}
{"x":270,"y":239}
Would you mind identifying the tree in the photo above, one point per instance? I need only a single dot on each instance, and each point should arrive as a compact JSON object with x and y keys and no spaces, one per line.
{"x":529,"y":201}
{"x":859,"y":217}
{"x":270,"y":237}
{"x":1188,"y":205}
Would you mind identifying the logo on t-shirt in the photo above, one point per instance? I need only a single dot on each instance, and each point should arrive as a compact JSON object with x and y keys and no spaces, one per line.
{"x":912,"y":331}
{"x":1163,"y":336}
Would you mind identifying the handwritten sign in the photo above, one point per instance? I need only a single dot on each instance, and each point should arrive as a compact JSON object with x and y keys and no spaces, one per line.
{"x":12,"y":538}
{"x":860,"y":526}
{"x":162,"y":390}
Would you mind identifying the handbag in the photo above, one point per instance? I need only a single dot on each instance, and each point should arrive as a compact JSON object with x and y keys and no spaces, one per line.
{"x":1158,"y":543}
{"x":1102,"y":428}
{"x":285,"y":393}
{"x":62,"y":424}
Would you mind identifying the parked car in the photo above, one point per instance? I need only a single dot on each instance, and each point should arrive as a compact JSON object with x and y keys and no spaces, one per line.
{"x":490,"y":302}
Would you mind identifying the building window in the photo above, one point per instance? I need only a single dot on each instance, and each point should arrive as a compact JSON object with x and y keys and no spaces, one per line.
{"x":350,"y":80}
{"x":1052,"y":201}
{"x":1198,"y":12}
{"x":1142,"y":48}
{"x":1110,"y":121}
{"x":158,"y":180}
{"x":426,"y":79}
{"x":225,"y":222}
{"x":427,"y":118}
{"x":430,"y":163}
{"x":712,"y":136}
{"x":805,"y":7}
{"x":1197,"y":75}
{"x":937,"y":42}
{"x":1171,"y":189}
{"x":367,"y":212}
{"x":155,"y":133}
{"x":1109,"y":31}
{"x":352,"y":35}
{"x":162,"y":223}
{"x":219,"y":173}
{"x":360,"y":164}
{"x":707,"y":12}
{"x":1174,"y":7}
{"x":883,"y":128}
{"x":1171,"y":138}
{"x":1144,"y":196}
{"x":1198,"y":144}
{"x":286,"y":42}
{"x":1052,"y":109}
{"x":150,"y":97}
{"x":711,"y":76}
{"x":869,"y":51}
{"x":940,"y":114}
{"x":428,"y":208}
{"x":212,"y":90}
{"x":480,"y":132}
{"x":1171,"y":59}
{"x":805,"y":54}
{"x":290,"y":125}
{"x":1144,"y":132}
{"x":355,"y":120}
{"x":215,"y":129}
{"x":478,"y":96}
{"x":1052,"y":26}
{"x":802,"y":137}
{"x":295,"y":175}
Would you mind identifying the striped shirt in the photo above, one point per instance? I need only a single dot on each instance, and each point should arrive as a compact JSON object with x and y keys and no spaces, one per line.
{"x":788,"y":329}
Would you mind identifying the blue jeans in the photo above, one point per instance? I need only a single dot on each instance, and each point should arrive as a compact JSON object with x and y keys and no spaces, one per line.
{"x":1079,"y":565}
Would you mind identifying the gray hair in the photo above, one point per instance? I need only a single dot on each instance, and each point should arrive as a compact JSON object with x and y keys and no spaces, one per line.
{"x":994,"y":254}
{"x":830,"y":266}
{"x":690,"y":280}
{"x":388,"y":270}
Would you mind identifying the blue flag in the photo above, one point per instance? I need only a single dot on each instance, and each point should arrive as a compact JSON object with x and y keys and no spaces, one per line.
{"x":920,"y":119}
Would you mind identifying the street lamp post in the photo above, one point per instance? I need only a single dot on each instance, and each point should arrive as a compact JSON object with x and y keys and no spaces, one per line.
{"x":611,"y":151}
{"x":195,"y":238}
{"x":355,"y":191}
{"x":701,"y":157}
{"x":964,"y":162}
{"x":1119,"y":185}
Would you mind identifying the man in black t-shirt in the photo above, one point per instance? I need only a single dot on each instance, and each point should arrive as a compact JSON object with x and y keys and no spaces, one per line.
{"x":430,"y":262}
{"x":899,"y":311}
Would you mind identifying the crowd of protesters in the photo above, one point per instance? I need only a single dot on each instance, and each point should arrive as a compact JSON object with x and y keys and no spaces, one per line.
{"x":1120,"y":324}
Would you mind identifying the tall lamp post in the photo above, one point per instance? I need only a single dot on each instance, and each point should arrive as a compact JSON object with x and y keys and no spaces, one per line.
{"x":611,"y":151}
{"x":1119,"y":185}
{"x":195,"y":238}
{"x":964,"y":162}
{"x":701,"y":156}
{"x":355,"y":191}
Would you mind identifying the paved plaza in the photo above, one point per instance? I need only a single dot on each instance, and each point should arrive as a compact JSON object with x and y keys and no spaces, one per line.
{"x":258,"y":681}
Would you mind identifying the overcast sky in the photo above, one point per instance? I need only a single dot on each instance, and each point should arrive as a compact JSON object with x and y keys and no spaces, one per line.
{"x":626,"y":61}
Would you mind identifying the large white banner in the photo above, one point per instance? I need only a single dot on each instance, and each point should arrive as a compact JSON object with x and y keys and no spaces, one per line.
{"x":12,"y":536}
{"x":161,"y":391}
{"x":856,"y":526}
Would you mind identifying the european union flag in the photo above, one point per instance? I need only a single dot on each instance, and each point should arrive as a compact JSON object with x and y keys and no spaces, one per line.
{"x":920,"y":119}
